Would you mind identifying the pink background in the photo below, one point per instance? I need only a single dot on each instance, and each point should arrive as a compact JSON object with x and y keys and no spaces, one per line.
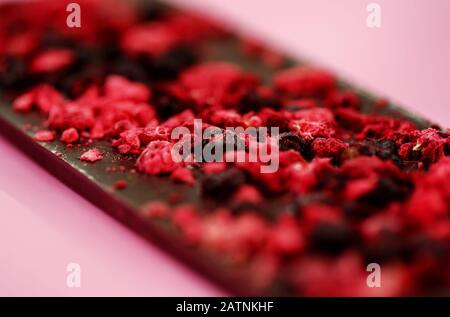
{"x":44,"y":225}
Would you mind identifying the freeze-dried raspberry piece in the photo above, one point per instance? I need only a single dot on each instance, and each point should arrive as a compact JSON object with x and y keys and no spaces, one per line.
{"x":71,"y":115}
{"x":303,"y":177}
{"x":133,"y":140}
{"x":52,"y":60}
{"x":70,"y":135}
{"x":430,"y":201}
{"x":286,"y":236}
{"x":304,"y":82}
{"x":153,"y":38}
{"x":186,"y":217}
{"x":157,"y":158}
{"x":350,"y":119}
{"x":428,"y":146}
{"x":44,"y":136}
{"x":290,"y":157}
{"x":372,"y":181}
{"x":191,"y":27}
{"x":331,"y":147}
{"x":309,"y":130}
{"x":222,"y":185}
{"x":119,"y":88}
{"x":183,"y":175}
{"x":319,"y":276}
{"x":342,"y":99}
{"x":43,"y":96}
{"x":314,"y":114}
{"x":24,"y":103}
{"x":257,"y":50}
{"x":214,"y":84}
{"x":225,"y":118}
{"x":92,"y":155}
{"x":156,"y":209}
{"x":248,"y":194}
{"x":237,"y":237}
{"x":120,"y":184}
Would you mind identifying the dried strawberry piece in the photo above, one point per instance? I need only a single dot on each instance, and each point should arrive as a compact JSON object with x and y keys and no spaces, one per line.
{"x":304,"y":82}
{"x":44,"y":136}
{"x":92,"y":155}
{"x":157,"y":158}
{"x":52,"y":60}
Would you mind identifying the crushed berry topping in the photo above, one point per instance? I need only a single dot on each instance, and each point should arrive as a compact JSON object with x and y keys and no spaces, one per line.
{"x":52,"y":60}
{"x":92,"y":155}
{"x":44,"y":136}
{"x":120,"y":184}
{"x":70,"y":135}
{"x":354,"y":184}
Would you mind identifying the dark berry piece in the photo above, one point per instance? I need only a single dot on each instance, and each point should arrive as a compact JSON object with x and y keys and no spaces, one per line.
{"x":167,"y":106}
{"x":421,"y":244}
{"x":386,"y":191}
{"x":278,"y":121}
{"x":254,"y":102}
{"x":221,"y":186}
{"x":170,"y":64}
{"x":150,"y":10}
{"x":291,"y":141}
{"x":13,"y":74}
{"x":384,"y":149}
{"x":331,"y":238}
{"x":385,"y":248}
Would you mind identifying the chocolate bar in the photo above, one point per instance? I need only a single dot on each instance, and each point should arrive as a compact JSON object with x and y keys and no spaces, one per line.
{"x":271,"y":176}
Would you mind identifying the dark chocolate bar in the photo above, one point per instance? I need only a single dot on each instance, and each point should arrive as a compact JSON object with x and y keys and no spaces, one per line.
{"x":355,"y":181}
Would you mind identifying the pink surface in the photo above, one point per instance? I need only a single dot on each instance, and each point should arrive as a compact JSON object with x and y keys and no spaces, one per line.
{"x":44,"y":225}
